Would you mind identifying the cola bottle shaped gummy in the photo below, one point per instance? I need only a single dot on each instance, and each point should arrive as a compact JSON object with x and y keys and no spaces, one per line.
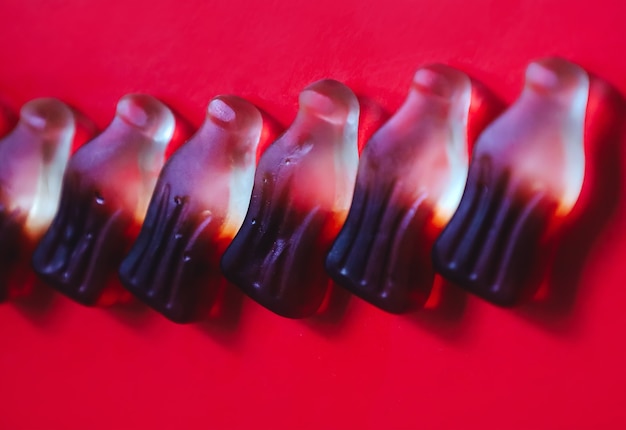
{"x":302,"y":191}
{"x":106,"y":189}
{"x":32,"y":161}
{"x":198,"y":205}
{"x":410,"y":179}
{"x":526,"y":174}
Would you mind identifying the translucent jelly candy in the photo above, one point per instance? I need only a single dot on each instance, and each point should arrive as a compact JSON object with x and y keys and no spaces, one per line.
{"x":106,"y":189}
{"x":32,"y":161}
{"x":199,"y":204}
{"x":526,"y":172}
{"x":410,"y":180}
{"x":302,"y":191}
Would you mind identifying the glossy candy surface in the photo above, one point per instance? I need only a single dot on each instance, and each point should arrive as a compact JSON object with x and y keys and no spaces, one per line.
{"x":199,"y":202}
{"x":32,"y":161}
{"x":410,"y":180}
{"x":526,"y":173}
{"x":106,"y":189}
{"x":302,"y":191}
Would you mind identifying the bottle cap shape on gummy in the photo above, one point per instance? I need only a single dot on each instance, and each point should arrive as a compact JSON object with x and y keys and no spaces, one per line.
{"x":106,"y":189}
{"x":411,"y":175}
{"x":526,"y":173}
{"x":302,"y":191}
{"x":199,"y":203}
{"x":33,"y":158}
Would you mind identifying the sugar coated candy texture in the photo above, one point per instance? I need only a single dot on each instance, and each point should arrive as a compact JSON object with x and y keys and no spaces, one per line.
{"x":410,"y":179}
{"x":526,"y":173}
{"x":106,"y":190}
{"x":199,"y":203}
{"x":302,"y":191}
{"x":33,"y":158}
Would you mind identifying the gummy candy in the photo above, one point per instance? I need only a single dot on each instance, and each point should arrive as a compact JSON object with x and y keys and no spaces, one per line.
{"x":199,"y":203}
{"x":32,"y":161}
{"x":105,"y":193}
{"x":302,"y":191}
{"x":526,"y":174}
{"x":410,"y":179}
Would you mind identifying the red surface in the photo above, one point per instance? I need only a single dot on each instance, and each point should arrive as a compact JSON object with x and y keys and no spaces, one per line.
{"x":459,"y":364}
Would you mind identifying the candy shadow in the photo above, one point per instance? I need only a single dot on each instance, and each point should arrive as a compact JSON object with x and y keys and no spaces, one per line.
{"x":602,"y":195}
{"x":221,"y":323}
{"x":271,"y":131}
{"x":86,"y":129}
{"x":485,"y":107}
{"x":329,"y":321}
{"x":372,"y":117}
{"x":272,"y":127}
{"x":223,"y":320}
{"x":443,"y":312}
{"x":39,"y":306}
{"x":132,"y":313}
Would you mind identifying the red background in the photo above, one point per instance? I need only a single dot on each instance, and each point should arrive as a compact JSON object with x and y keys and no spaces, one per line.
{"x":461,"y":363}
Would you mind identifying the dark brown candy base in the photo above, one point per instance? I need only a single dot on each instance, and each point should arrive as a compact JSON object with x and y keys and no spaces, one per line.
{"x":490,"y":245}
{"x":83,"y":247}
{"x":174,"y":265}
{"x":277,"y":258}
{"x":381,"y":253}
